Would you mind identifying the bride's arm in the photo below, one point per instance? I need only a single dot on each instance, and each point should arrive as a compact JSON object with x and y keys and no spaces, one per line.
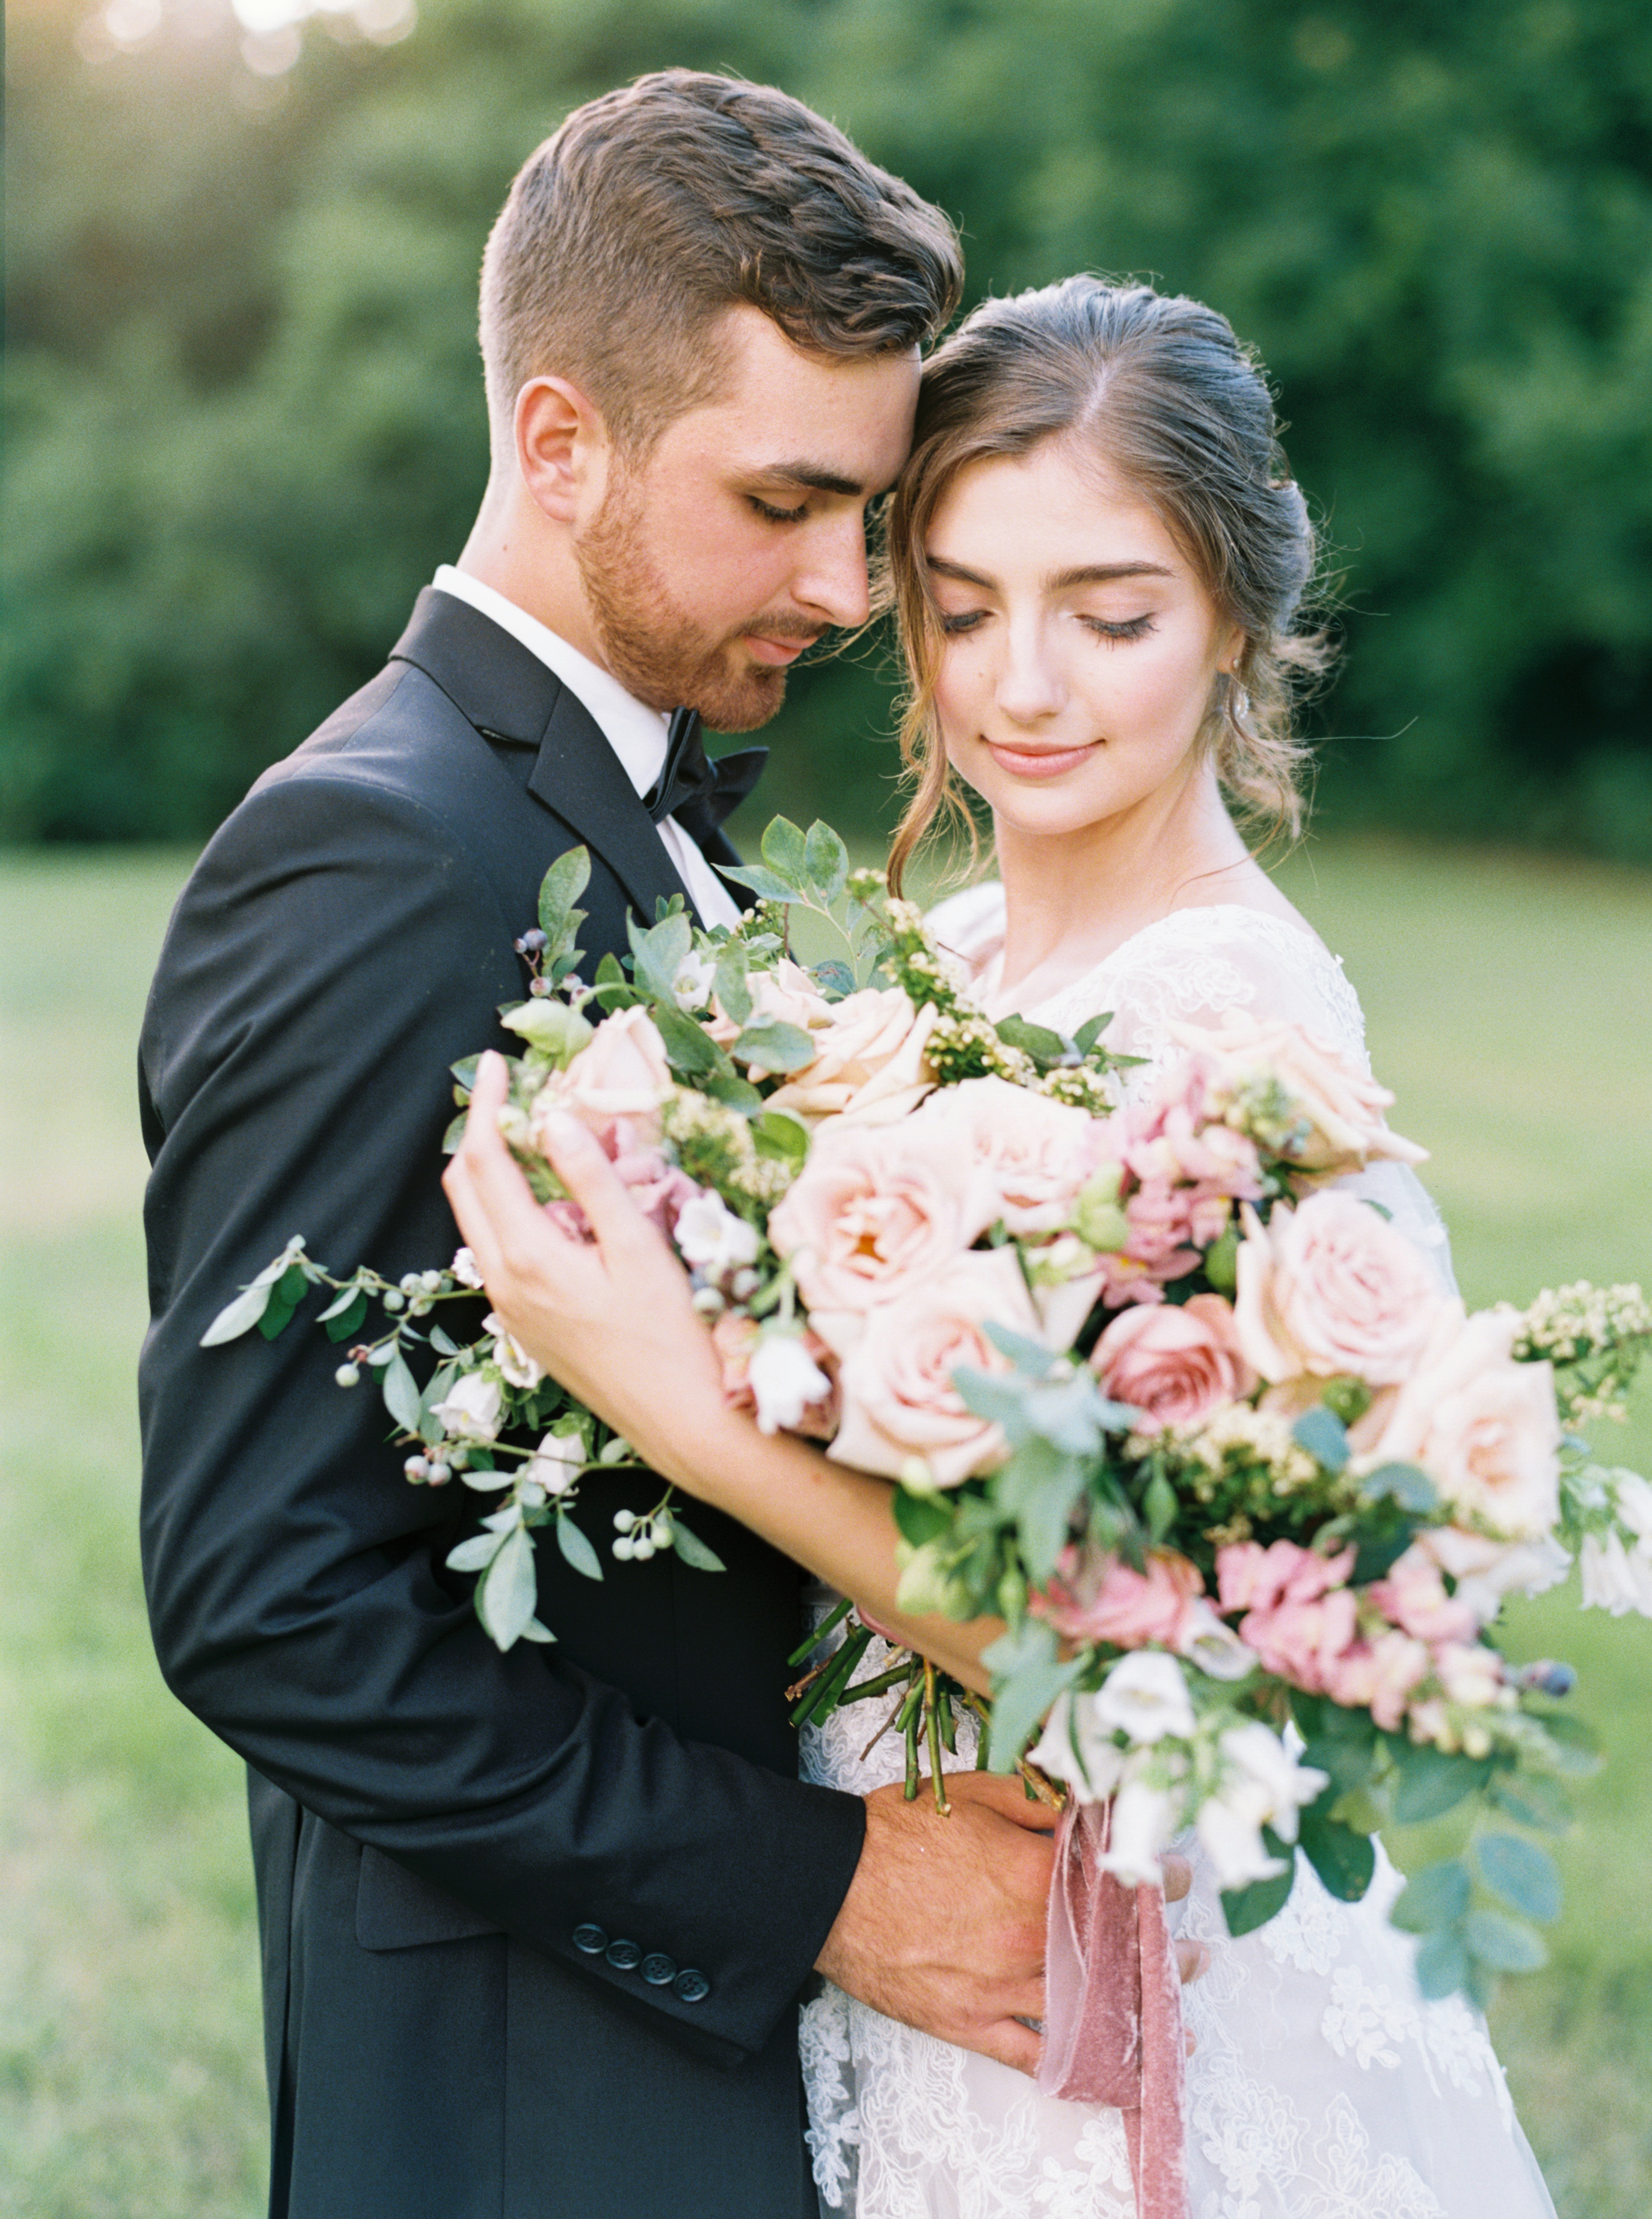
{"x":614,"y":1324}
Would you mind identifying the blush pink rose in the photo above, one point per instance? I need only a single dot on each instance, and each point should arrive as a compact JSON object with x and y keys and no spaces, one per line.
{"x":896,"y":1362}
{"x":1301,"y":1616}
{"x":785,"y":996}
{"x":1485,"y":1428}
{"x":876,"y":1210}
{"x":1330,"y":1288}
{"x":1249,"y":1576}
{"x":1035,"y":1153}
{"x":1173,"y":1364}
{"x":619,"y":1077}
{"x":869,"y":1064}
{"x":1113,"y":1603}
{"x":1341,"y":1106}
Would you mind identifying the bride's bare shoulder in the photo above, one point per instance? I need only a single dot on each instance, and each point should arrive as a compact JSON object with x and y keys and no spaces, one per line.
{"x":1244,"y":887}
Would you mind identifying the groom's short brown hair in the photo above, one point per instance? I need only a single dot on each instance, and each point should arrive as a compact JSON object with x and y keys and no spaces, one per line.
{"x":656,"y":207}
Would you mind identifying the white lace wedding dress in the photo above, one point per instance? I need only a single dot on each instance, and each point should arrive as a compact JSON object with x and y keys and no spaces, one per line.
{"x":1323,"y":2086}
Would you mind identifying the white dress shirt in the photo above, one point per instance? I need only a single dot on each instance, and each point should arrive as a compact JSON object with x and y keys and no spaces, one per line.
{"x":637,"y":733}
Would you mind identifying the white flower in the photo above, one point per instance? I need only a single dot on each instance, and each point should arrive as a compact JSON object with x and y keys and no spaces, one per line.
{"x":1632,"y":1500}
{"x":1263,"y":1785}
{"x":471,"y":1406}
{"x":464,"y":1268}
{"x":785,"y":1381}
{"x":1214,"y":1646}
{"x":693,"y":984}
{"x":1470,"y":1673}
{"x":1144,"y":1824}
{"x":1230,"y":1833}
{"x":1144,"y":1696}
{"x":513,"y":1360}
{"x":1616,"y":1578}
{"x":712,"y":1238}
{"x":557,"y":1462}
{"x":1075,"y":1747}
{"x":1486,"y":1570}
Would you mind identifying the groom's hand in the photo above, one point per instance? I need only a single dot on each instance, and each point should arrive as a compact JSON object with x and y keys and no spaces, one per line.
{"x":943,"y":1925}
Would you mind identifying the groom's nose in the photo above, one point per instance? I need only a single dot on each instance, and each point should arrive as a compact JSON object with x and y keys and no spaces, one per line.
{"x":830,"y":580}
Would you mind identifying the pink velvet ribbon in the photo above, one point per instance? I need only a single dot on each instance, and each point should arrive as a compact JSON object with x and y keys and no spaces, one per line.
{"x":1113,"y":2009}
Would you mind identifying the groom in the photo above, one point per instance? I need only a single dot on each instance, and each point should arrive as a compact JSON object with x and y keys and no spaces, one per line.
{"x":534,"y":1925}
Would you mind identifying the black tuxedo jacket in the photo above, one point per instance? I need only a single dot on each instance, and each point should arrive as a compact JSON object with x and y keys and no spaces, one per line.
{"x":533,"y":1925}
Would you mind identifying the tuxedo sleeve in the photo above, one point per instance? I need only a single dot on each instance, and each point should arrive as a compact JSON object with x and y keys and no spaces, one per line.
{"x":335,"y":949}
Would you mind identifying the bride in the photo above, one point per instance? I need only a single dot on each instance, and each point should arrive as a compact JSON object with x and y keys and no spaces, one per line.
{"x":1098,"y":557}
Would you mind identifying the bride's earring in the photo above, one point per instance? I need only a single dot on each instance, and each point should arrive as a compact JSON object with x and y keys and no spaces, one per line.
{"x":1238,"y":705}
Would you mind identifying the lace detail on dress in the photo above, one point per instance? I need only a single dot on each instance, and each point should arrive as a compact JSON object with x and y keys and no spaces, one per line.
{"x":1323,"y":2086}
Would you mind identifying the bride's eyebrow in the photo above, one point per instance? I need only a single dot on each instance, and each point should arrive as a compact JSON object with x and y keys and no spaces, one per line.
{"x":1087,"y":574}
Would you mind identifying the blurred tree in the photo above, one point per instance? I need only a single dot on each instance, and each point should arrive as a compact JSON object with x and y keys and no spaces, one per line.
{"x":246,"y":420}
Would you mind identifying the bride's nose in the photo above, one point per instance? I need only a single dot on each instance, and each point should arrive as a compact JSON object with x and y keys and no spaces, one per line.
{"x":1030,"y":683}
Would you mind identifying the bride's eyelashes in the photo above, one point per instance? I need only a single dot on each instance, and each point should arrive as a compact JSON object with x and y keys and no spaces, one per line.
{"x":1131,"y":628}
{"x":951,"y":626}
{"x":774,"y":515}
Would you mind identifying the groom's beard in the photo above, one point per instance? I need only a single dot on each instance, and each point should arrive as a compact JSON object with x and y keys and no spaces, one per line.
{"x":658,"y":653}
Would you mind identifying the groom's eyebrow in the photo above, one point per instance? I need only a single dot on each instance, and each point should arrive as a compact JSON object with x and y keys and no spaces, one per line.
{"x":812,"y":476}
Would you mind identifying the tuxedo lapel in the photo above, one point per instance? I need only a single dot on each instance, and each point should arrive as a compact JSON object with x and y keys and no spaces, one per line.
{"x":507,"y":693}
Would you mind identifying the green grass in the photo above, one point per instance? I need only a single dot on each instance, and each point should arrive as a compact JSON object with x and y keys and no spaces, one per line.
{"x":1508,"y":1007}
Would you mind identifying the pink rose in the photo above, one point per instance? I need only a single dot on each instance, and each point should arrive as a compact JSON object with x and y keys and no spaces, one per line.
{"x":1127,"y":1607}
{"x":1379,"y":1674}
{"x":620,"y":1075}
{"x":875,"y":1210}
{"x":1339,"y":1105}
{"x":1036,"y":1154}
{"x":897,"y":1362}
{"x":1330,"y":1288}
{"x":785,"y":996}
{"x":658,"y":1187}
{"x":1172,"y":1364}
{"x":869,"y":1064}
{"x":1483,"y":1427}
{"x":1301,"y":1616}
{"x":1249,"y":1576}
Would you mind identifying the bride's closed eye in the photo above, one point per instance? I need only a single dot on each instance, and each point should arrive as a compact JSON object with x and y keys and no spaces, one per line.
{"x":1131,"y":628}
{"x":951,"y":626}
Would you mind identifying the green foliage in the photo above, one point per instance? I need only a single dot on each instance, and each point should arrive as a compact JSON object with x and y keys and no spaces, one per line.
{"x":245,"y":417}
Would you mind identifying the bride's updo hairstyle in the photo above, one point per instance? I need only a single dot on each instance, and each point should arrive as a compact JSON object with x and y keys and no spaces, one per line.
{"x":1162,"y":392}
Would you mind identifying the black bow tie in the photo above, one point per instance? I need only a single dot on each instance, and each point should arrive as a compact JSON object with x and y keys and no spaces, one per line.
{"x":698,"y":793}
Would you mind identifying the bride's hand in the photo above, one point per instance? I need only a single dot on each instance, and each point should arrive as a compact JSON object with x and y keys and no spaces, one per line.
{"x":612,"y":1319}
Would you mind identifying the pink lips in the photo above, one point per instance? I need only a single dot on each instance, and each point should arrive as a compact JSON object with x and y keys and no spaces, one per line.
{"x":776,"y":652}
{"x":1038,"y":763}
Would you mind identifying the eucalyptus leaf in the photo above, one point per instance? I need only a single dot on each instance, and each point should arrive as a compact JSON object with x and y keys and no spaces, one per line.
{"x":1433,"y":1781}
{"x":475,"y":1554}
{"x":767,"y":885}
{"x":659,"y":955}
{"x":777,"y":1133}
{"x":1323,"y":1434}
{"x":1045,"y":1047}
{"x":340,"y":1302}
{"x":1020,"y":1702}
{"x":1441,"y":1965}
{"x":691,"y":1050}
{"x":576,"y":1548}
{"x":1411,"y":1488}
{"x":733,"y":982}
{"x":693,"y":1550}
{"x":506,"y":1599}
{"x":919,"y":1518}
{"x":1532,"y":1799}
{"x":560,"y":888}
{"x":1437,"y":1897}
{"x":533,"y":1630}
{"x":240,"y":1315}
{"x":827,"y":861}
{"x":1091,"y":1031}
{"x":1029,"y":1356}
{"x":400,"y":1392}
{"x":785,"y":851}
{"x":1505,"y":1944}
{"x":834,"y":978}
{"x":1521,"y":1874}
{"x":770,"y":1045}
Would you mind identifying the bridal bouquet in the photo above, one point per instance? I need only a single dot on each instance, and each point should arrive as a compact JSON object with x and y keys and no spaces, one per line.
{"x":1198,"y":1423}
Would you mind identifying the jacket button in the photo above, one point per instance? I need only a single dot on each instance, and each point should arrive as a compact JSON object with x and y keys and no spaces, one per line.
{"x":623,"y":1956}
{"x":659,"y":1971}
{"x":591,"y":1939}
{"x":690,"y":1986}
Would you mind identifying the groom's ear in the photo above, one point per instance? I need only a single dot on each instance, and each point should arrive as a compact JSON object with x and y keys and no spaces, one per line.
{"x":562,"y":448}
